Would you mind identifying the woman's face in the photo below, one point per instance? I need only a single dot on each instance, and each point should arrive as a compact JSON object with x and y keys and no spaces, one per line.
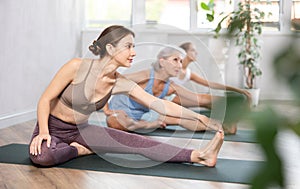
{"x":191,"y":53}
{"x":173,"y":64}
{"x":124,"y":51}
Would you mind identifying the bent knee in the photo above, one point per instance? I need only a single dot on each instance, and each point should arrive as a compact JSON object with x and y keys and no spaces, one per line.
{"x":113,"y":122}
{"x":46,"y":158}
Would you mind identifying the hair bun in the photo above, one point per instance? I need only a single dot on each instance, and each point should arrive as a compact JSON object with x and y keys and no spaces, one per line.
{"x":95,"y":48}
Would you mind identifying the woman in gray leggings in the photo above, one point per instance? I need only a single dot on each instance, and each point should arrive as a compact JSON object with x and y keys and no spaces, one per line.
{"x":83,"y":86}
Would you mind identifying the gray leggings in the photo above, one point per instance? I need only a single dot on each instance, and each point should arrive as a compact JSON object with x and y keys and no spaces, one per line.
{"x":101,"y":140}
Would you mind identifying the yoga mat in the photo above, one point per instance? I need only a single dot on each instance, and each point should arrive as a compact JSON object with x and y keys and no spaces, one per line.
{"x":227,"y":170}
{"x":179,"y":132}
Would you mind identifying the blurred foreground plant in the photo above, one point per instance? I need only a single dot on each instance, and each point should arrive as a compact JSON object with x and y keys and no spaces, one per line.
{"x":267,"y":122}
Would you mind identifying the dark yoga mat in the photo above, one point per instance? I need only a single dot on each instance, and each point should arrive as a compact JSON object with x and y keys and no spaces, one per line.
{"x":180,"y":132}
{"x":227,"y":170}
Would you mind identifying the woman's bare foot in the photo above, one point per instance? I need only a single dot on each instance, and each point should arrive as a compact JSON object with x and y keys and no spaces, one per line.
{"x":230,"y":129}
{"x":210,"y":124}
{"x":208,"y":155}
{"x":81,"y":149}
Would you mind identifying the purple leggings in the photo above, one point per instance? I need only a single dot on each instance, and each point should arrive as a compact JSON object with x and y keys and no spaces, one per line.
{"x":101,"y":140}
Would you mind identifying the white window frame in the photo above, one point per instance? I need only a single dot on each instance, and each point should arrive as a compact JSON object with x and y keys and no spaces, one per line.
{"x":138,"y":15}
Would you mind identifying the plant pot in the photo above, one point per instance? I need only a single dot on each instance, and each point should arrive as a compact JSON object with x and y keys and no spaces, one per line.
{"x":255,"y":96}
{"x":296,"y":24}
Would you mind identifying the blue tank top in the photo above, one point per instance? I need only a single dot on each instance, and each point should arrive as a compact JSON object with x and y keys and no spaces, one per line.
{"x":134,"y":109}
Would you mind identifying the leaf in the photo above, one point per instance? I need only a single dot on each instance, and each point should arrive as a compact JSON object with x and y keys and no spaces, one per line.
{"x":295,"y":127}
{"x":210,"y":17}
{"x":211,"y":4}
{"x":267,"y":123}
{"x":236,"y":108}
{"x":204,"y":6}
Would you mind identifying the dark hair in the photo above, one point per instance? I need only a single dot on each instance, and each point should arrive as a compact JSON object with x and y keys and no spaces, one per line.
{"x":185,"y":46}
{"x":111,"y":35}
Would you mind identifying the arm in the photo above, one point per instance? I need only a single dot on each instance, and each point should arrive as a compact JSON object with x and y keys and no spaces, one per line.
{"x":161,"y":106}
{"x":106,"y":110}
{"x":188,"y":98}
{"x":138,"y":76}
{"x":213,"y":85}
{"x":64,"y":76}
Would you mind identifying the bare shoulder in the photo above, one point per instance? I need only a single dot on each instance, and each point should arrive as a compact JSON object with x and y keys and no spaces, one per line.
{"x":74,"y":63}
{"x":123,"y":85}
{"x":139,"y":75}
{"x":69,"y":69}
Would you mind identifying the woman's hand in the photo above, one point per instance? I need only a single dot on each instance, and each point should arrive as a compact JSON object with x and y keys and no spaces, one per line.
{"x":35,"y":146}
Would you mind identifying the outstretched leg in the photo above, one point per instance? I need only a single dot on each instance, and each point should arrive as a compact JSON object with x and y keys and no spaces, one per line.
{"x":206,"y":124}
{"x":122,"y":121}
{"x":83,"y":139}
{"x":108,"y":140}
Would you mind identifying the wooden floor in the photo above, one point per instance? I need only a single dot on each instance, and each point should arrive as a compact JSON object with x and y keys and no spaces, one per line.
{"x":22,"y":176}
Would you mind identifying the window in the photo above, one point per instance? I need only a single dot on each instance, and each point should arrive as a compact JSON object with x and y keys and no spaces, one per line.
{"x":272,"y":13}
{"x":169,"y":12}
{"x":101,"y":13}
{"x":295,"y":15}
{"x":221,"y":8}
{"x":186,"y":14}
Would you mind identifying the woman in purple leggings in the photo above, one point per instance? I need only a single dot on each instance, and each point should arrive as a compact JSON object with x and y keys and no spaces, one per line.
{"x":83,"y":86}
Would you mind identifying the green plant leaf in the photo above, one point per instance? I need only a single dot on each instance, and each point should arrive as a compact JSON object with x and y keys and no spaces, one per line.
{"x":295,"y":127}
{"x":267,"y":123}
{"x":210,"y":17}
{"x":204,"y":6}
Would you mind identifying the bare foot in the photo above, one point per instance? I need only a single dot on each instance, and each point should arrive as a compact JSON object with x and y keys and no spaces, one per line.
{"x":210,"y":124}
{"x":230,"y":129}
{"x":214,"y":125}
{"x":81,"y":149}
{"x":155,"y":124}
{"x":208,"y":155}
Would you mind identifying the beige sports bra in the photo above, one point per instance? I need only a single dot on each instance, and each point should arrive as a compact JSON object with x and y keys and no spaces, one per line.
{"x":73,"y":97}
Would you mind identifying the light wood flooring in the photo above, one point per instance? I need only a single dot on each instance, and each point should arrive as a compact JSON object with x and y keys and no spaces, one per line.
{"x":21,"y":176}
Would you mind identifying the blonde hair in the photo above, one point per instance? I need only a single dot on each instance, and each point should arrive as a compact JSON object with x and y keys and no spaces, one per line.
{"x":165,"y":53}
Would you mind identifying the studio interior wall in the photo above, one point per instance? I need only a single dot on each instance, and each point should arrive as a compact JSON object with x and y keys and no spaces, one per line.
{"x":37,"y":38}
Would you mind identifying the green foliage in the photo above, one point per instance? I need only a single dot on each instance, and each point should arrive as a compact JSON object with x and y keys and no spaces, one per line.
{"x":244,"y":26}
{"x":209,"y":7}
{"x":267,"y":123}
{"x":236,"y":108}
{"x":287,"y":67}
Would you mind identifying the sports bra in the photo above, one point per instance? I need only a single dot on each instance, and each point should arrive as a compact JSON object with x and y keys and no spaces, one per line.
{"x":73,"y":97}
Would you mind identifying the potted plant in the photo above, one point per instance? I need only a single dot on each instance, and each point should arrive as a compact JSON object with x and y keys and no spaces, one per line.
{"x":243,"y":25}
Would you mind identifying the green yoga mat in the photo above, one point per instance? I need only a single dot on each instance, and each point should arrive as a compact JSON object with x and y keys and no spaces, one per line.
{"x":227,"y":170}
{"x":179,"y":132}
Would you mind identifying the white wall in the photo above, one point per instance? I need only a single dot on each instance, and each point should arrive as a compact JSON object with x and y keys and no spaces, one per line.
{"x":37,"y":37}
